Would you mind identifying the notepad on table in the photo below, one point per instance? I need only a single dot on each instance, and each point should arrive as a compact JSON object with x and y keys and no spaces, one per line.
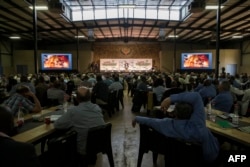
{"x":245,"y":129}
{"x":54,"y":117}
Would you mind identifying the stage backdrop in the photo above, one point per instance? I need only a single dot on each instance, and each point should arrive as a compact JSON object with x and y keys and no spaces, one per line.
{"x":125,"y":64}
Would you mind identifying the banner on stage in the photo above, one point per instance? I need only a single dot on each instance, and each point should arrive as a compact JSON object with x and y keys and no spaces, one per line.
{"x":125,"y":64}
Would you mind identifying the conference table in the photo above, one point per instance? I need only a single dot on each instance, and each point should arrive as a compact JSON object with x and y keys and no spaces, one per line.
{"x":42,"y":130}
{"x":34,"y":131}
{"x":231,"y":134}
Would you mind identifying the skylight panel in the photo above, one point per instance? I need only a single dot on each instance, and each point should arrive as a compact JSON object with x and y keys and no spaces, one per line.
{"x":88,"y":15}
{"x":163,"y":15}
{"x":112,"y":13}
{"x":100,"y":14}
{"x":151,"y":14}
{"x":174,"y":15}
{"x":76,"y":16}
{"x":131,"y":13}
{"x":168,"y":10}
{"x":140,"y":13}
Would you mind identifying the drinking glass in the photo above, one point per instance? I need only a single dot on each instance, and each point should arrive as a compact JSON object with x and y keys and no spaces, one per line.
{"x":20,"y":118}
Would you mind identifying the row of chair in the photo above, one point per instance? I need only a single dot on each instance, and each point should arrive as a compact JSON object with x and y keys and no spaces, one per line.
{"x":62,"y":148}
{"x":113,"y":103}
{"x":176,"y":152}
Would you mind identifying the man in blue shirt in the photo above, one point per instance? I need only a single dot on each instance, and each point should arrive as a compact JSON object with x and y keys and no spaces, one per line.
{"x":207,"y":92}
{"x":182,"y":127}
{"x":224,"y":100}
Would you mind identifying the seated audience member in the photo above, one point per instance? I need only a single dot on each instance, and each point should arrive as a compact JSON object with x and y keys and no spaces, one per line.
{"x":85,"y":82}
{"x":100,"y":91}
{"x":92,"y":79}
{"x":21,"y":98}
{"x":70,"y":87}
{"x":140,"y":95}
{"x":11,"y":83}
{"x":142,"y":84}
{"x":188,"y":124}
{"x":56,"y":93}
{"x":116,"y":85}
{"x":117,"y":88}
{"x":52,"y":79}
{"x":168,"y":81}
{"x":41,"y":91}
{"x":23,"y":81}
{"x":81,"y":117}
{"x":108,"y":79}
{"x":14,"y":153}
{"x":207,"y":92}
{"x":245,"y":103}
{"x":173,"y":90}
{"x":224,"y":100}
{"x":236,"y":84}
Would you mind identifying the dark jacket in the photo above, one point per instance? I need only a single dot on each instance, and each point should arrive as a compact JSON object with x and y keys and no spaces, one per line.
{"x":17,"y":154}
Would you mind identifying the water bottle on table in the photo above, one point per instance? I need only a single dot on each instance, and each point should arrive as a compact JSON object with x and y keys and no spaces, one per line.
{"x":20,"y":118}
{"x":235,"y":118}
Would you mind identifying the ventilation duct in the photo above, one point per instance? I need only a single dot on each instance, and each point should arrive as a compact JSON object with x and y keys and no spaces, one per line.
{"x":197,"y":6}
{"x":55,"y":6}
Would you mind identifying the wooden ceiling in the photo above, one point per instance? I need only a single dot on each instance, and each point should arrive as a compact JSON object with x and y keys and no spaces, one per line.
{"x":16,"y":18}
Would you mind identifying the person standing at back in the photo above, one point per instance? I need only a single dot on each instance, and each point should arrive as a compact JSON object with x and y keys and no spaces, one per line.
{"x":14,"y":153}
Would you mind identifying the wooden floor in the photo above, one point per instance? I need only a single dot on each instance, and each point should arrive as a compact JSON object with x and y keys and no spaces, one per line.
{"x":125,"y":140}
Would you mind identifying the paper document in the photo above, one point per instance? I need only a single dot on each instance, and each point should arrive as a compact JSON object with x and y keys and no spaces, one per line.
{"x":54,"y":117}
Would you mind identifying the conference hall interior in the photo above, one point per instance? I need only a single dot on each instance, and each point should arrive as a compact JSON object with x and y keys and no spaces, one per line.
{"x":180,"y":42}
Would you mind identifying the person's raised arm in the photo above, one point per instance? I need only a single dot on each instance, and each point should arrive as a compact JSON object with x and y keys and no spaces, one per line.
{"x":37,"y":107}
{"x":165,"y":104}
{"x":192,"y":98}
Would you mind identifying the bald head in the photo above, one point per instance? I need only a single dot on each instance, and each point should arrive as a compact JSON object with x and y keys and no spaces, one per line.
{"x":224,"y":86}
{"x":83,"y":94}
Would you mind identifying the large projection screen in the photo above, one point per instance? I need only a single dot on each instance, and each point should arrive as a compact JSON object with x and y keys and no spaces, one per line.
{"x":125,"y":64}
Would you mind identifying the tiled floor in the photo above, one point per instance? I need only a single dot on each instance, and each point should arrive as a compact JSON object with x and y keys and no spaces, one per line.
{"x":125,"y":140}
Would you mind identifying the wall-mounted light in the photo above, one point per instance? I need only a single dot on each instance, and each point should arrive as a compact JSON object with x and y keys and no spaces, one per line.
{"x":15,"y":37}
{"x":80,"y":36}
{"x":39,"y":7}
{"x":173,"y":36}
{"x":213,"y":7}
{"x":237,"y":36}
